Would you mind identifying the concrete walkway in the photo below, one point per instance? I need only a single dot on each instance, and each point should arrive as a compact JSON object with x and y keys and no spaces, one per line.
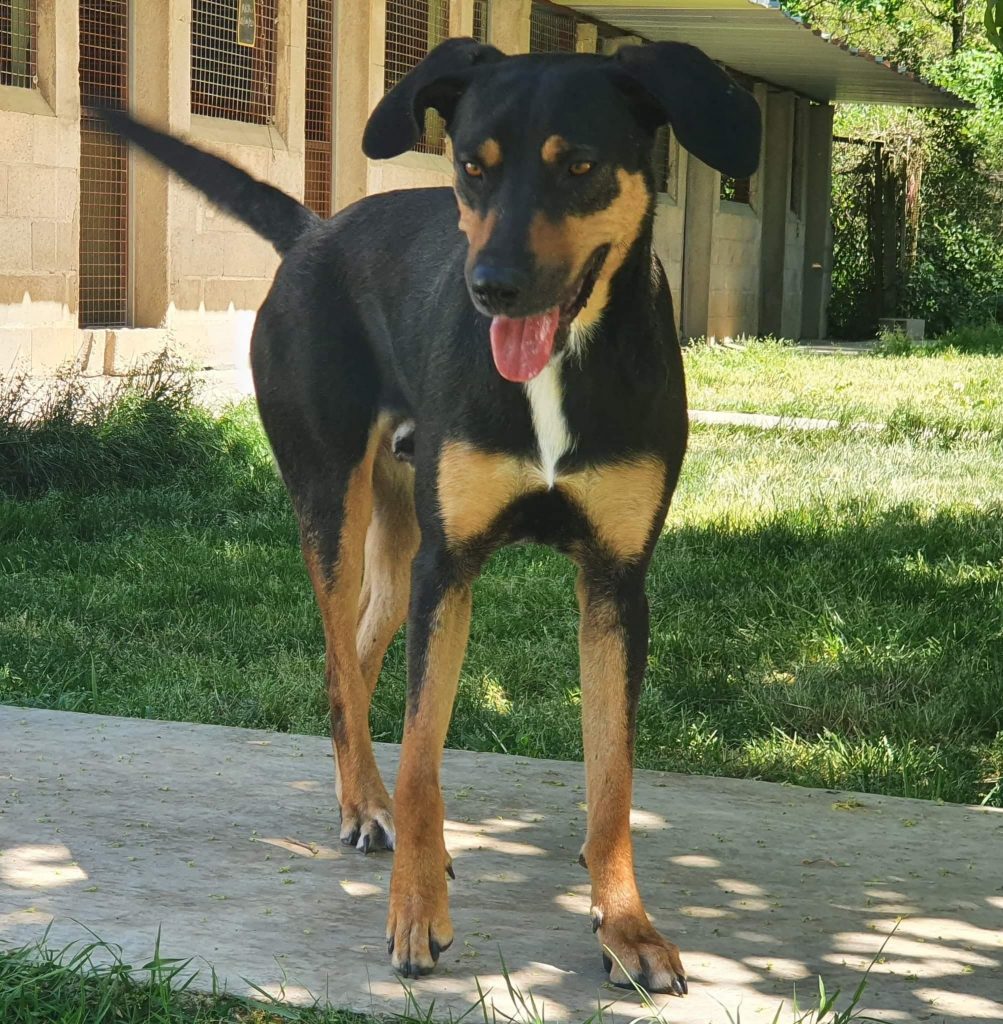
{"x":227,"y":840}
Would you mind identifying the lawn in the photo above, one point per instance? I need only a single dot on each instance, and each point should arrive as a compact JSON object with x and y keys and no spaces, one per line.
{"x":951,"y":389}
{"x":89,"y":983}
{"x":827,"y":608}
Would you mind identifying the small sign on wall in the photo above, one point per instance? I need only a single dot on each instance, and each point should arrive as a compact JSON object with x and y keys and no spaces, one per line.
{"x":246,"y":22}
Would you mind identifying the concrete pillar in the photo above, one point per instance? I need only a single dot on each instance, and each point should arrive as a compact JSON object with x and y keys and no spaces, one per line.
{"x":356,"y":67}
{"x":290,"y":77}
{"x":774,"y":191}
{"x":702,"y":187}
{"x":161,"y":39}
{"x":509,"y":28}
{"x":610,"y":46}
{"x":586,"y":37}
{"x":461,"y":18}
{"x":817,"y":216}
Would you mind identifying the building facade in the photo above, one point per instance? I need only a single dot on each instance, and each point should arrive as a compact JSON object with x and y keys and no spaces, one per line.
{"x":104,"y":257}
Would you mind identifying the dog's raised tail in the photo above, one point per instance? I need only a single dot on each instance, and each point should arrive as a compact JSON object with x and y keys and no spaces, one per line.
{"x":262,"y":207}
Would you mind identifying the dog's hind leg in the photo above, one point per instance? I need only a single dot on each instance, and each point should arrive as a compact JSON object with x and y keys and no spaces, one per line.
{"x":335,"y":509}
{"x":391,"y":544}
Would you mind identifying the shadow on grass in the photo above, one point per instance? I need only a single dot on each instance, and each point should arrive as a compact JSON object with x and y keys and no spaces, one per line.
{"x":859,"y":647}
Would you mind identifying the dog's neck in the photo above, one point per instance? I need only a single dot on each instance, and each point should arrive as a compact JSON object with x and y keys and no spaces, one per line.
{"x":634,"y":282}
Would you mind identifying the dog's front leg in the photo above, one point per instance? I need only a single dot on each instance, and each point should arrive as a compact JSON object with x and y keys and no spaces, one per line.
{"x":418,"y":927}
{"x":613,"y":646}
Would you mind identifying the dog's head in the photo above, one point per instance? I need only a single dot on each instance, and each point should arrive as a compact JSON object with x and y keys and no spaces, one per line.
{"x":552,"y":160}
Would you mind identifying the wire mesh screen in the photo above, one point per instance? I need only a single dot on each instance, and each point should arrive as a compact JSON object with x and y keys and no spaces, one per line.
{"x":551,"y":31}
{"x":18,"y":54}
{"x":104,"y":166}
{"x":319,"y":124}
{"x":413,"y":28}
{"x":481,"y":15}
{"x":233,"y":59}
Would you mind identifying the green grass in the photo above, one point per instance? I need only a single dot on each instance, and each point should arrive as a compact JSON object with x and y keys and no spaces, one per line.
{"x":943,"y":390}
{"x":90,"y":983}
{"x":825,"y":607}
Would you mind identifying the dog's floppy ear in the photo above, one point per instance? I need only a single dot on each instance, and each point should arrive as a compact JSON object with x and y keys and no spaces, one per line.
{"x":712,"y":115}
{"x":437,"y":82}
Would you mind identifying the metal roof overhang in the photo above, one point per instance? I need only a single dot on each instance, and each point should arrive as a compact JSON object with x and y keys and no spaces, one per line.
{"x":760,"y":39}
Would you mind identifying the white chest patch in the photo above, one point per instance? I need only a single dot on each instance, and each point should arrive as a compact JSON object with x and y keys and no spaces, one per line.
{"x":546,"y":406}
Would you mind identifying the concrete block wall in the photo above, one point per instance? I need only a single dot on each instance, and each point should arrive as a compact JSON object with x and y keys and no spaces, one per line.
{"x":39,"y":209}
{"x":199,"y":275}
{"x":733,"y":302}
{"x":733,"y":305}
{"x":205,"y":273}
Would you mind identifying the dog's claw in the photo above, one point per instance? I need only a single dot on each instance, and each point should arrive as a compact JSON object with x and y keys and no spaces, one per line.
{"x":352,"y":838}
{"x":581,"y":860}
{"x":390,"y":946}
{"x":679,"y":986}
{"x":595,"y":916}
{"x":607,"y":963}
{"x":450,"y":871}
{"x":365,"y":843}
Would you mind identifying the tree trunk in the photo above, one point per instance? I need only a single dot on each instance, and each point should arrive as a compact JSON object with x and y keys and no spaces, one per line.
{"x":958,"y":24}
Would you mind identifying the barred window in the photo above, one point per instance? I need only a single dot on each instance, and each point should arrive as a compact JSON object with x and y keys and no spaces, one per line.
{"x":736,"y":190}
{"x":319,"y":120}
{"x":413,"y":28}
{"x":233,"y":59}
{"x":551,"y":31}
{"x":481,"y":15}
{"x":18,"y":56}
{"x":104,"y":165}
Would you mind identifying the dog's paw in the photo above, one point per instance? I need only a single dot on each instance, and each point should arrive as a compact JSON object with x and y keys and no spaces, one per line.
{"x":633,"y":953}
{"x":368,"y":827}
{"x":418,"y":926}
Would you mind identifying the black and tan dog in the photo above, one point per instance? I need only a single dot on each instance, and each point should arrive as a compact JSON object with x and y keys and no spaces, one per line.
{"x":533,"y":365}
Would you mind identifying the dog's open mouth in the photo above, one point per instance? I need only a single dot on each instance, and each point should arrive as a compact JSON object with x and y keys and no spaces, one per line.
{"x":522,"y":346}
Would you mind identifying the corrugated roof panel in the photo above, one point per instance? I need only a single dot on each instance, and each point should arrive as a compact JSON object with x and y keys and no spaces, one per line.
{"x":760,"y":39}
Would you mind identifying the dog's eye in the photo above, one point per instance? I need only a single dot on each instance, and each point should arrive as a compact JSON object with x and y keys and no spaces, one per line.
{"x":472,"y":170}
{"x":580,"y":167}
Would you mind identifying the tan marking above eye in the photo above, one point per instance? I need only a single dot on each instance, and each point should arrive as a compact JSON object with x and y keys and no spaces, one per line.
{"x":554,"y":148}
{"x":490,"y":153}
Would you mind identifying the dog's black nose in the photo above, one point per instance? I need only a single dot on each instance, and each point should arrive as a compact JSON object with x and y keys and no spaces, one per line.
{"x":495,"y":289}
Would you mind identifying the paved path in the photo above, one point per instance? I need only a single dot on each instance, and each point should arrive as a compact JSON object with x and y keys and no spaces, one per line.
{"x":227,"y":840}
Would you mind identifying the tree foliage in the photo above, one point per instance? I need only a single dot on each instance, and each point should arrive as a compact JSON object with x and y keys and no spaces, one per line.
{"x":994,"y":23}
{"x":951,"y":267}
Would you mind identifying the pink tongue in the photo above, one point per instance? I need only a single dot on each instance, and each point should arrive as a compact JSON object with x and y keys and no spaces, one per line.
{"x":522,"y":347}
